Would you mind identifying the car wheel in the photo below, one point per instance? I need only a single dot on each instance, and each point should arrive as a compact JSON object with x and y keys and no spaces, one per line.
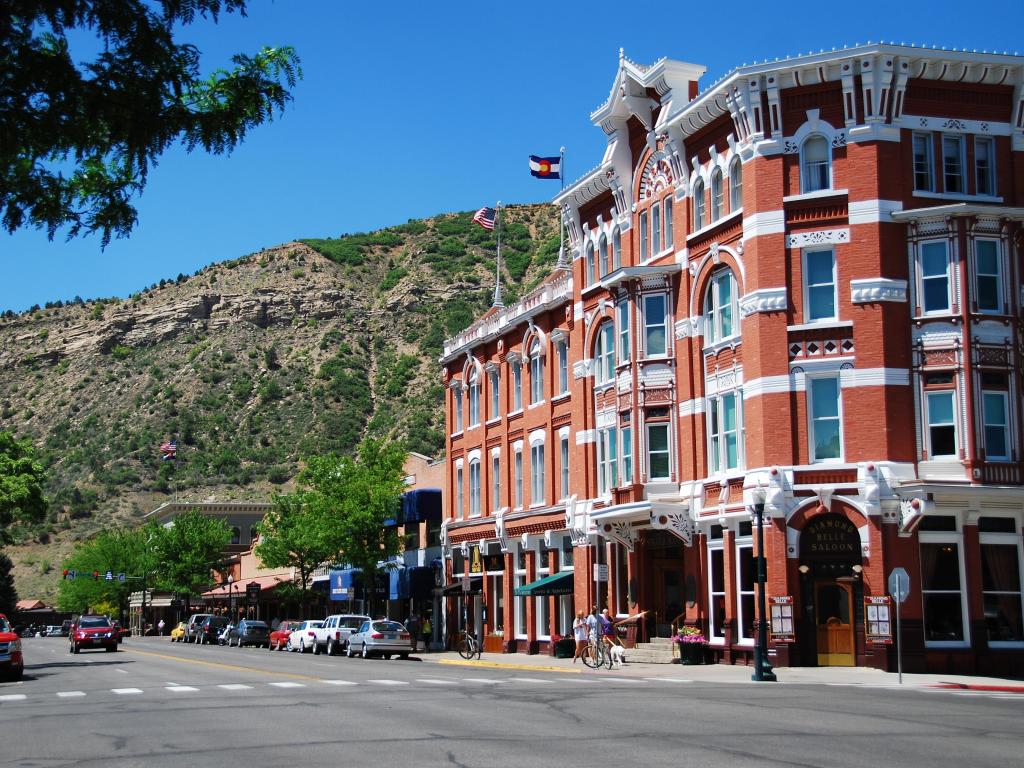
{"x":403,"y":656}
{"x":348,"y":650}
{"x":331,"y":648}
{"x":316,"y":648}
{"x":366,"y":652}
{"x":112,"y":649}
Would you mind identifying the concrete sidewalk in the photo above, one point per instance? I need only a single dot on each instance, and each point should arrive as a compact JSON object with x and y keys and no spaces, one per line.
{"x":723,"y":673}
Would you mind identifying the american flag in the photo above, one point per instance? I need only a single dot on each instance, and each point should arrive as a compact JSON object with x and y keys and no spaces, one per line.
{"x":485,"y":218}
{"x":169,"y":450}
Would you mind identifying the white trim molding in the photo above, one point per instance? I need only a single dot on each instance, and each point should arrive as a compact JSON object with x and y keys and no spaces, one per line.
{"x":954,"y":125}
{"x":874,"y":289}
{"x":764,"y":223}
{"x":819,"y":237}
{"x":764,"y":300}
{"x":690,"y":327}
{"x":585,"y":436}
{"x":872,"y":211}
{"x":691,"y":407}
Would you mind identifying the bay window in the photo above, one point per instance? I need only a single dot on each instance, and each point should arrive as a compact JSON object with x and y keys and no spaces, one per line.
{"x":622,"y":318}
{"x":995,"y":412}
{"x":607,"y":465}
{"x":655,"y":325}
{"x":724,"y":432}
{"x":935,"y":282}
{"x":940,"y":416}
{"x":627,"y":454}
{"x":988,"y":290}
{"x":658,"y":454}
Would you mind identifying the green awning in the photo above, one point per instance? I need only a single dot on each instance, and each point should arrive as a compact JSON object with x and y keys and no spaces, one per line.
{"x":549,"y":586}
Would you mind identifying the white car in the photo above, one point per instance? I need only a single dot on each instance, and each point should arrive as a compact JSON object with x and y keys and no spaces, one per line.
{"x":304,"y":638}
{"x":333,"y":636}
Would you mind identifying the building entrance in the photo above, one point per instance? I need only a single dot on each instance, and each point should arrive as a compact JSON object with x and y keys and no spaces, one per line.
{"x":830,"y":566}
{"x":666,"y":581}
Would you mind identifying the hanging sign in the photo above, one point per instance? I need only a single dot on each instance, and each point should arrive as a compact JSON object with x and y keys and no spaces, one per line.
{"x":781,"y":610}
{"x":476,"y":563}
{"x":877,"y":619}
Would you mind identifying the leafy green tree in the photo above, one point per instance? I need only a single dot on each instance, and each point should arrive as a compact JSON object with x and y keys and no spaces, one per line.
{"x":130,"y":551}
{"x":189,"y":551}
{"x":298,"y":532}
{"x":362,"y":492}
{"x":8,"y":594}
{"x":77,"y":138}
{"x":21,"y":485}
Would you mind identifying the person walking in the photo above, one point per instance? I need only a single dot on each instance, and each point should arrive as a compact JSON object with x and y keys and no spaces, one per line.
{"x":594,"y":630}
{"x":414,"y":626}
{"x":160,"y":627}
{"x":428,"y":630}
{"x":579,"y":632}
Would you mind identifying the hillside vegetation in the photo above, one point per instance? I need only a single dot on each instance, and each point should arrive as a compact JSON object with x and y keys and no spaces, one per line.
{"x":253,"y":364}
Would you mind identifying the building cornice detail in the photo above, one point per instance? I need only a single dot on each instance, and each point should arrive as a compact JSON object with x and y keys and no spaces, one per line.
{"x":689,"y":327}
{"x":764,"y":300}
{"x":818,"y":237}
{"x":876,"y":289}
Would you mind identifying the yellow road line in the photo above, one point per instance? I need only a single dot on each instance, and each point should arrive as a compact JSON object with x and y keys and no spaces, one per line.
{"x":218,"y":665}
{"x":498,"y":665}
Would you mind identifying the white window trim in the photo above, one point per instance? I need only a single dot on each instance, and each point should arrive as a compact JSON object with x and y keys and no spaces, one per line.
{"x":942,"y":537}
{"x":1006,"y":425}
{"x":711,"y":317}
{"x":477,"y":509}
{"x":807,"y":287}
{"x":828,"y":163}
{"x":647,"y":450}
{"x":955,"y":456}
{"x":1005,"y":539}
{"x":951,"y":291}
{"x":723,"y":470}
{"x":743,"y":542}
{"x":665,"y":325}
{"x":808,"y":389}
{"x":1000,"y":293}
{"x":716,"y":545}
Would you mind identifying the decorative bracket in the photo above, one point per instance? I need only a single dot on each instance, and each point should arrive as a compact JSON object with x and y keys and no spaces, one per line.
{"x":912,"y":511}
{"x":576,"y":522}
{"x":677,"y":522}
{"x":499,"y":529}
{"x":621,"y":532}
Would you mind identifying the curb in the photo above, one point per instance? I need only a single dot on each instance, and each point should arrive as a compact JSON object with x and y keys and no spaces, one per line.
{"x":498,"y":665}
{"x":970,"y":687}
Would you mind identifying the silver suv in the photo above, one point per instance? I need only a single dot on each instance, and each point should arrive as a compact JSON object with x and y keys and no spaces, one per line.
{"x":193,"y":626}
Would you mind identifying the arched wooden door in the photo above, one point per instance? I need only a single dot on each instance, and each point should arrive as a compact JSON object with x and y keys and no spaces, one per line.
{"x":833,"y":610}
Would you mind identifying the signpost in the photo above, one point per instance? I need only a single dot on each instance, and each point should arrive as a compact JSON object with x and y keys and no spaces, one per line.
{"x":899,"y":588}
{"x":877,"y":624}
{"x":782,"y":628}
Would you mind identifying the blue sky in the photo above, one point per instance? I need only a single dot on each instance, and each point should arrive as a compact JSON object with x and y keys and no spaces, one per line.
{"x":409,"y":109}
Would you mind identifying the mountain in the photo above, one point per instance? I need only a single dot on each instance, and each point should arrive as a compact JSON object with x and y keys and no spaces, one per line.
{"x":252,"y":364}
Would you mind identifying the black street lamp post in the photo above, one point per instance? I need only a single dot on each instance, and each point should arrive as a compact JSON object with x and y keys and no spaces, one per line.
{"x":762,"y":667}
{"x":231,"y":599}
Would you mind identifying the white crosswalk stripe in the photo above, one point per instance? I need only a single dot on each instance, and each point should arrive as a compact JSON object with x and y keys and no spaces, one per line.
{"x":125,"y":691}
{"x":388,"y":682}
{"x":181,"y":688}
{"x":235,"y":687}
{"x":288,"y":684}
{"x":339,"y":682}
{"x":69,"y":694}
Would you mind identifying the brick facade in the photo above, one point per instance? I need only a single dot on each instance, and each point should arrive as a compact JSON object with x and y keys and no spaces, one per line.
{"x":803,"y":285}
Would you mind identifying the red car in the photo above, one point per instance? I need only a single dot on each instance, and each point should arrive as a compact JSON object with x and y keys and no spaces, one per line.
{"x":279,"y":637}
{"x":12,"y":663}
{"x":94,"y":632}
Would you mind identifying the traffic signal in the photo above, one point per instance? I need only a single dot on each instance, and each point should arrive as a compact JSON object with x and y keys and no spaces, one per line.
{"x":65,"y":573}
{"x":96,"y":575}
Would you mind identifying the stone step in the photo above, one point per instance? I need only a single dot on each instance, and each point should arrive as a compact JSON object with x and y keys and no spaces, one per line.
{"x":647,"y":656}
{"x":659,"y":641}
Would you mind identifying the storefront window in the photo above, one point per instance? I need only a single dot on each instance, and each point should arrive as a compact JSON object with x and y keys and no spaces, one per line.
{"x":717,"y":594}
{"x":745,"y":579}
{"x":1001,"y":579}
{"x":621,"y":580}
{"x":940,"y":591}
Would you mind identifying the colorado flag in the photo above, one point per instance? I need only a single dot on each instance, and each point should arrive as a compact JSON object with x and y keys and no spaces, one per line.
{"x":545,"y":167}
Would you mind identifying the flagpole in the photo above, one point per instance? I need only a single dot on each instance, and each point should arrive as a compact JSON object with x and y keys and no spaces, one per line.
{"x":562,"y":264}
{"x":498,"y":301}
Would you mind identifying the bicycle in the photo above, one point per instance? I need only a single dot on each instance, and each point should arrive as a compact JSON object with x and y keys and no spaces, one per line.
{"x":596,"y":655}
{"x":468,"y":646}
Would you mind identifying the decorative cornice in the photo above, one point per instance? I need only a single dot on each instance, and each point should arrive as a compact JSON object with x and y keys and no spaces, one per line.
{"x":676,"y":520}
{"x":764,"y":300}
{"x":620,"y":531}
{"x":875,"y":289}
{"x":689,"y":327}
{"x":583,"y":369}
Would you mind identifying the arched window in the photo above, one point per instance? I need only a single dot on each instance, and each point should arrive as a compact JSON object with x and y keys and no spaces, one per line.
{"x":254,"y":534}
{"x":735,"y":185}
{"x":536,"y":373}
{"x":717,"y":195}
{"x":698,"y":205}
{"x":474,"y":487}
{"x":604,"y":354}
{"x":604,"y":255}
{"x":815,"y":164}
{"x":720,"y":307}
{"x":236,"y":535}
{"x":616,"y":248}
{"x":474,"y":397}
{"x":590,"y":263}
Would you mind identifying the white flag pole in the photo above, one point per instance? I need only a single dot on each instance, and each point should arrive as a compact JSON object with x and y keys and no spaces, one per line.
{"x":562,"y":263}
{"x":498,"y":300}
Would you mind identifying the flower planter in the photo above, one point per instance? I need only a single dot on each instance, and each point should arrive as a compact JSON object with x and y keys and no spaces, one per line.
{"x":565,"y":648}
{"x":691,"y":653}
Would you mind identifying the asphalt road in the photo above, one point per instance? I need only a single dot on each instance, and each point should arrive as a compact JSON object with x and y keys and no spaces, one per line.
{"x":159,"y":704}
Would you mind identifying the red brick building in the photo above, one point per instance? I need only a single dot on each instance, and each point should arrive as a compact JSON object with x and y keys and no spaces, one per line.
{"x":801,"y":283}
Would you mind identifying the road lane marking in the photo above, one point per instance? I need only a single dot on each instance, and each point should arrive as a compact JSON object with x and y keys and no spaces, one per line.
{"x":288,"y":684}
{"x":667,"y":680}
{"x":125,"y":691}
{"x":622,"y":680}
{"x":434,"y":681}
{"x":13,"y":697}
{"x":181,"y":688}
{"x":495,"y":665}
{"x":69,"y":694}
{"x":339,"y":682}
{"x":483,"y":680}
{"x":122,"y":671}
{"x":385,"y":682}
{"x":530,"y":680}
{"x":218,"y":665}
{"x":235,"y":687}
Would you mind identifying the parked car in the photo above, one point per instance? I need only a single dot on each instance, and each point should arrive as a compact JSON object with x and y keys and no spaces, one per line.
{"x":178,"y":633}
{"x":52,"y":631}
{"x":333,"y":636}
{"x":303,"y":637}
{"x":93,"y":632}
{"x":379,"y":638}
{"x":210,"y":630}
{"x":249,"y":632}
{"x":193,"y":624}
{"x":12,"y":663}
{"x":279,"y":637}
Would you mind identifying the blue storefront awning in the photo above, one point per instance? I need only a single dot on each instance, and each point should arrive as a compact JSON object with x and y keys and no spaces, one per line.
{"x":398,"y":584}
{"x":421,"y":582}
{"x":423,"y":504}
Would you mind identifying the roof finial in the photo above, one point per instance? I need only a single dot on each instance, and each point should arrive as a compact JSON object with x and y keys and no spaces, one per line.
{"x":622,"y":53}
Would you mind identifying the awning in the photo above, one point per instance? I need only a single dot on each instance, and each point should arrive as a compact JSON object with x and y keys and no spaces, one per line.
{"x":423,"y":504}
{"x":476,"y":587}
{"x":398,"y":585}
{"x":239,"y":587}
{"x":421,"y":582}
{"x":553,"y":585}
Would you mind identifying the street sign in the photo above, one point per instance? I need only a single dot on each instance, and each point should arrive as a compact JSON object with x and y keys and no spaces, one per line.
{"x":782,"y":627}
{"x":252,"y":590}
{"x":600,"y":571}
{"x":121,"y":577}
{"x":899,"y":584}
{"x":109,"y":576}
{"x":465,"y":584}
{"x":72,"y":574}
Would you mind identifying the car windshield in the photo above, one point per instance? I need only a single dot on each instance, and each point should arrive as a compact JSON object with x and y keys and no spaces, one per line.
{"x":256,"y":624}
{"x":388,"y":626}
{"x":314,"y":624}
{"x":352,"y":623}
{"x":93,"y":623}
{"x":4,"y":626}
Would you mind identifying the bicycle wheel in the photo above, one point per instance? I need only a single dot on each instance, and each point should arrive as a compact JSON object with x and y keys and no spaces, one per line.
{"x":588,"y":657}
{"x":608,"y":658}
{"x":465,"y":649}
